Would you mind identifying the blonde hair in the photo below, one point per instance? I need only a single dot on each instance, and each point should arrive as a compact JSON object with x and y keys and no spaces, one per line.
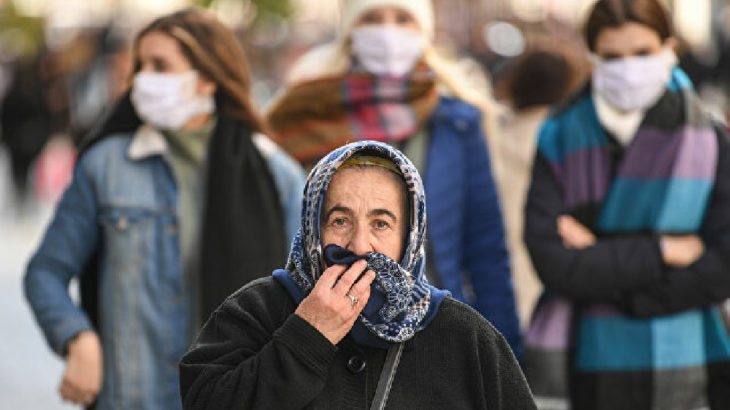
{"x":333,"y":60}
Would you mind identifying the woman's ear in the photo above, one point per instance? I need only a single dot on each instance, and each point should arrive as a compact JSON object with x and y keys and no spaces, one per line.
{"x":206,"y":86}
{"x":672,"y":43}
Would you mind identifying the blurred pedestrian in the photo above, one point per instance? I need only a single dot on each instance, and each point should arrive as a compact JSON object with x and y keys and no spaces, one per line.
{"x":352,"y":311}
{"x":26,"y":120}
{"x":178,"y":202}
{"x":628,"y":218}
{"x":382,"y":80}
{"x":531,"y":84}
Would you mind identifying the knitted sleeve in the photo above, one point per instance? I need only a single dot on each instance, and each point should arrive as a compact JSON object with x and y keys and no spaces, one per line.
{"x":253,"y":354}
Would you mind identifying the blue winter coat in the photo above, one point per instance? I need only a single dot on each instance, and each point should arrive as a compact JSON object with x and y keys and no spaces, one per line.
{"x":465,"y":228}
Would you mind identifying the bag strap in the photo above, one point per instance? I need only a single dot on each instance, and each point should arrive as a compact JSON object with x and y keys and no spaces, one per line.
{"x":386,"y":376}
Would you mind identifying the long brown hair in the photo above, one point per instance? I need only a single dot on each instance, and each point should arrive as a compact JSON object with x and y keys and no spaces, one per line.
{"x":615,"y":13}
{"x":214,"y":52}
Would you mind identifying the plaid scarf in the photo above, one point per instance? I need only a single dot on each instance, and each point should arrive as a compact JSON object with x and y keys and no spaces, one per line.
{"x":663,"y":185}
{"x":315,"y":117}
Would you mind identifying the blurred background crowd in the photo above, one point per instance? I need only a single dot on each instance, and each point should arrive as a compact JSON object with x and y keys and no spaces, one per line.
{"x":64,"y":62}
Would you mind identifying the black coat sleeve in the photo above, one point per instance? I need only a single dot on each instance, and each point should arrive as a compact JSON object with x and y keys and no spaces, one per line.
{"x":249,"y":355}
{"x":503,"y":380}
{"x":597,"y":274}
{"x":707,"y":281}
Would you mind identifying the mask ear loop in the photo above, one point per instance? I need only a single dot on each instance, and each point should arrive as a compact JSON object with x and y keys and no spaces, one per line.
{"x":595,"y":60}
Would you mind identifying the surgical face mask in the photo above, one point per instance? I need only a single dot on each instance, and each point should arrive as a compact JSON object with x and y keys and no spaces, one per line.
{"x":633,"y":83}
{"x":387,"y":49}
{"x":169,"y":101}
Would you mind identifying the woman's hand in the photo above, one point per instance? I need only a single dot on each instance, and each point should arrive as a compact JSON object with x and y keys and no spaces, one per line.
{"x":329,"y":308}
{"x":84,"y":371}
{"x":574,"y":234}
{"x":681,"y":251}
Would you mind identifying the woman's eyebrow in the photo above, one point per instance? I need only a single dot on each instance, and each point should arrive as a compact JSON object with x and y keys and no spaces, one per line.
{"x":381,"y":212}
{"x":338,"y":208}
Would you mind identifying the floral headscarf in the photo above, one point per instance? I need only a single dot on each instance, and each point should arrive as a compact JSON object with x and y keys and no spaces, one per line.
{"x":402,"y":302}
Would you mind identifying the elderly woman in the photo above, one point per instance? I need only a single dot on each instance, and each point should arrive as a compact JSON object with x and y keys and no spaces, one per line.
{"x":323,"y":334}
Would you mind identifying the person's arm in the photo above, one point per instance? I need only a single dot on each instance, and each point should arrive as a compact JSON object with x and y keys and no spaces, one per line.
{"x":485,"y":253}
{"x":238,"y":362}
{"x":504,"y":382}
{"x":595,"y":274}
{"x":706,"y":281}
{"x":246,"y":358}
{"x":66,"y":248}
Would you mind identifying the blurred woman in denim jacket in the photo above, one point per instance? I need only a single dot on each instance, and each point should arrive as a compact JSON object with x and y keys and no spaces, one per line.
{"x":178,"y":202}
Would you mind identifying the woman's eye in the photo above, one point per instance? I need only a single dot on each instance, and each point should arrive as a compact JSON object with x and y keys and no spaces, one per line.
{"x":380,"y":224}
{"x":159,"y":65}
{"x":404,"y":18}
{"x":371,"y":18}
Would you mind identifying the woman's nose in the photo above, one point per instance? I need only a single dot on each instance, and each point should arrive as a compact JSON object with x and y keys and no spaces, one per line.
{"x":360,"y":243}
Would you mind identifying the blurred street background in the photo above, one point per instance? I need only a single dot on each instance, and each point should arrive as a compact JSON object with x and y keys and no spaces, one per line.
{"x":63,"y":62}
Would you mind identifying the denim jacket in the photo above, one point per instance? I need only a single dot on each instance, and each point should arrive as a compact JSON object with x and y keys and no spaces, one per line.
{"x":124,"y":195}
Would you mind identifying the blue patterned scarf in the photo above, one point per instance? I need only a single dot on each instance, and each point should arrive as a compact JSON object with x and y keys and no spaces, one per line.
{"x":402,"y":302}
{"x":662,"y":185}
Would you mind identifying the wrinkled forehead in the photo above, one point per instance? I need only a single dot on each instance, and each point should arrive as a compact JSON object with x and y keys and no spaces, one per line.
{"x":374,"y":183}
{"x":358,"y":155}
{"x":363,"y":170}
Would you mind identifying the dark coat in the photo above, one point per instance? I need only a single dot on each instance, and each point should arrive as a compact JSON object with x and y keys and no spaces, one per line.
{"x":254,"y":353}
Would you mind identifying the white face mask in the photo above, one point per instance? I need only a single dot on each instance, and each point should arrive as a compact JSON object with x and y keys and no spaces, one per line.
{"x":169,"y":101}
{"x":387,"y":49}
{"x":633,"y":83}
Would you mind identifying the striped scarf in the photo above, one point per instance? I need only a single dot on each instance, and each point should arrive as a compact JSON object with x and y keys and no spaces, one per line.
{"x":663,"y":185}
{"x":315,"y":117}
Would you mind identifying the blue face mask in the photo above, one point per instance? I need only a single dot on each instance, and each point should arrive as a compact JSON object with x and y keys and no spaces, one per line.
{"x":391,"y":292}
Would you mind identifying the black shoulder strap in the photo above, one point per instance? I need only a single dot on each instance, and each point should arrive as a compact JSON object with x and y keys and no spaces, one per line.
{"x":386,"y":376}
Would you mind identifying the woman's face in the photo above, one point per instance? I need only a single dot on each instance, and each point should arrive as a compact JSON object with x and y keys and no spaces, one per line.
{"x":629,"y":40}
{"x":364,"y":211}
{"x":389,"y":15}
{"x":161,"y":53}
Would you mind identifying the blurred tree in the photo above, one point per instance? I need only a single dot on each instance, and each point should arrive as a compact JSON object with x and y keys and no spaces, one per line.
{"x":265,"y":9}
{"x":20,"y":35}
